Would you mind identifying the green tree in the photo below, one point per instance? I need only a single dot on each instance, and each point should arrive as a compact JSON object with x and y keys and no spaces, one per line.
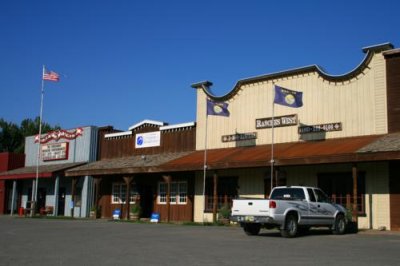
{"x":12,"y":136}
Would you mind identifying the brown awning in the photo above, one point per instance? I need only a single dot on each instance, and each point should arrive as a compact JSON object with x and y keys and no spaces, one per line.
{"x":125,"y":165}
{"x":355,"y":149}
{"x":45,"y":171}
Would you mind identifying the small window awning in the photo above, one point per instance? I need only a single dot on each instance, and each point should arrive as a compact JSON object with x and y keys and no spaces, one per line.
{"x":45,"y":171}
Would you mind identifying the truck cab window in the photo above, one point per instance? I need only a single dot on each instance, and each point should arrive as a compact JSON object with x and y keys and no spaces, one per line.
{"x":311,"y":195}
{"x":321,"y":196}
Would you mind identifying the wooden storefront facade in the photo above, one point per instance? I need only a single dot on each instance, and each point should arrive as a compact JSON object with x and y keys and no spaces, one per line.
{"x":56,"y":195}
{"x":125,"y":161}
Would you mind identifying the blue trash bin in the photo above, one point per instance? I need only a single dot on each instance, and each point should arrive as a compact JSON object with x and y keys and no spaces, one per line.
{"x":116,"y":214}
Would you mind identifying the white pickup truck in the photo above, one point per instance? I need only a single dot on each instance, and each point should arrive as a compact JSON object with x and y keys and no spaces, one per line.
{"x":291,"y":209}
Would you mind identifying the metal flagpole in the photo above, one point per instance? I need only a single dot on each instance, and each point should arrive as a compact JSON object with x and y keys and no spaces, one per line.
{"x":272,"y":136}
{"x":38,"y":146}
{"x":205,"y":167}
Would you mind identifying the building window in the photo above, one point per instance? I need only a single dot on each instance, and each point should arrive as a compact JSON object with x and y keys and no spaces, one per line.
{"x":119,"y":193}
{"x":178,"y":193}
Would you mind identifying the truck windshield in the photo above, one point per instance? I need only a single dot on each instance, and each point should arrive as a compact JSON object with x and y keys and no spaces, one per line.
{"x":288,"y":194}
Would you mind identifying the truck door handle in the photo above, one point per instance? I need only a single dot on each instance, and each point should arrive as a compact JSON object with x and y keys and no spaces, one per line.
{"x":250,"y":203}
{"x":319,"y":205}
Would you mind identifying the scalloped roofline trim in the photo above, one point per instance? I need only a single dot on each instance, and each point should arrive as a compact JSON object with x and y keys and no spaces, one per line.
{"x":369,"y":51}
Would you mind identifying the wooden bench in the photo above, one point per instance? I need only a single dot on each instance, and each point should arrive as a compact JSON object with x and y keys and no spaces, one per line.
{"x":46,"y":210}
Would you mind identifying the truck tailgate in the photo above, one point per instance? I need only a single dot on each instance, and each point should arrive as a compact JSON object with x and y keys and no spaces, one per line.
{"x":250,"y":207}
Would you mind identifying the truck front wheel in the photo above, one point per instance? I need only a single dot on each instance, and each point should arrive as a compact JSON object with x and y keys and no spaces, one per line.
{"x":251,"y":229}
{"x":291,"y":226}
{"x":339,"y":228}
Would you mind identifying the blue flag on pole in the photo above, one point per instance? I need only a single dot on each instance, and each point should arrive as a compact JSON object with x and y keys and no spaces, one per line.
{"x":288,"y":97}
{"x":217,"y":108}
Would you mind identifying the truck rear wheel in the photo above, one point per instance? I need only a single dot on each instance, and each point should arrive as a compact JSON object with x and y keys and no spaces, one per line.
{"x":291,"y":226}
{"x":251,"y":229}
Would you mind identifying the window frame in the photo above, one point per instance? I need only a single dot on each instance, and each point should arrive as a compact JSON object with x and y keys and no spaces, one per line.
{"x":178,"y":193}
{"x":118,"y":191}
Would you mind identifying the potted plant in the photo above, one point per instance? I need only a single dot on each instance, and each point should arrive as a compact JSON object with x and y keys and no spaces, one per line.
{"x":92,"y":213}
{"x":134,"y":214}
{"x":224,"y":214}
{"x":95,"y":212}
{"x":352,"y":226}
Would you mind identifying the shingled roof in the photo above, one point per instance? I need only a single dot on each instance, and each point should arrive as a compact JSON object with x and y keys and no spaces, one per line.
{"x":125,"y":165}
{"x":390,"y":142}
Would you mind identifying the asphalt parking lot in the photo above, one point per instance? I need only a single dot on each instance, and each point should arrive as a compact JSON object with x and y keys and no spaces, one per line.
{"x":26,"y":241}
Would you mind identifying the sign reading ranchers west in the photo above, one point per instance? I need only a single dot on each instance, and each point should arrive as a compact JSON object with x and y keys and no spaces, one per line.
{"x":321,"y":128}
{"x":279,"y":121}
{"x":239,"y":137}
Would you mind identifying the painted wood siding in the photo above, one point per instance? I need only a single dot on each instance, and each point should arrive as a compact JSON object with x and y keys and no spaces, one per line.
{"x":171,"y":141}
{"x":393,"y":86}
{"x":81,"y":149}
{"x":359,"y":104}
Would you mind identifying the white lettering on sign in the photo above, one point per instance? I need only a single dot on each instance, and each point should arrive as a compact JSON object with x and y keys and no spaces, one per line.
{"x":54,"y":151}
{"x":320,"y":128}
{"x":60,"y":134}
{"x":279,"y":121}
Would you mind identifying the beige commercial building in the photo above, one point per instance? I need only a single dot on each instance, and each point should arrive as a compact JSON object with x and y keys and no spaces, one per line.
{"x":344,"y":138}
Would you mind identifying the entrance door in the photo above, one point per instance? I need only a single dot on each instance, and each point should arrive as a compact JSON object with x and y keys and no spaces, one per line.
{"x":61,"y":201}
{"x":41,"y":199}
{"x":146,"y":200}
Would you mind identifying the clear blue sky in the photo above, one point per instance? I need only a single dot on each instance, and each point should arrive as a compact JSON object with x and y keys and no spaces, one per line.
{"x":125,"y":61}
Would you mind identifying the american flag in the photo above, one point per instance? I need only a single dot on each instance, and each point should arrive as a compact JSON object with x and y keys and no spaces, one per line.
{"x":51,"y":76}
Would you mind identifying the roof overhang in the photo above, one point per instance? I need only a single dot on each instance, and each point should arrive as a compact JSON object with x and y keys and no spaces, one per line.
{"x":44,"y":171}
{"x":343,"y":150}
{"x":374,"y":148}
{"x":126,"y":165}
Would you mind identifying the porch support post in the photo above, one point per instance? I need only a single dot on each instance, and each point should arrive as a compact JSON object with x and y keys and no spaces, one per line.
{"x":355,"y":209}
{"x":128,"y":180}
{"x":215,"y":196}
{"x":97,"y":181}
{"x":73,"y":191}
{"x":56,"y":192}
{"x":167,"y":179}
{"x":33,"y":203}
{"x":13,"y":197}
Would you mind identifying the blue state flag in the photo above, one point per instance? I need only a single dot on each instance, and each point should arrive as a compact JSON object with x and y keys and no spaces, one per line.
{"x":288,"y":97}
{"x":217,"y":108}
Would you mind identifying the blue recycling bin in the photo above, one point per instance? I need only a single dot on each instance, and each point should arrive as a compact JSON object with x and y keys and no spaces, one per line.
{"x":155,"y":217}
{"x":116,"y":214}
